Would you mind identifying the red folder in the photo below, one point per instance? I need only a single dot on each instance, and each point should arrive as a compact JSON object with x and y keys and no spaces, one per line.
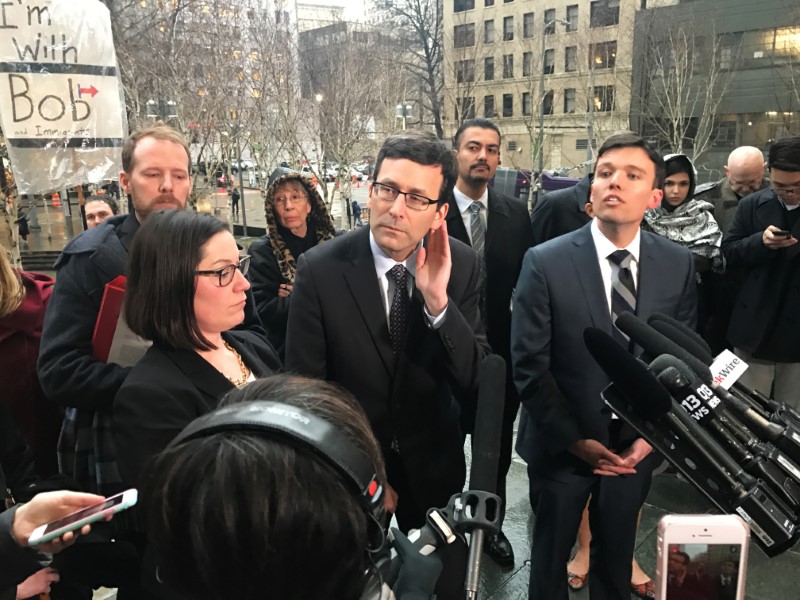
{"x":108,"y":317}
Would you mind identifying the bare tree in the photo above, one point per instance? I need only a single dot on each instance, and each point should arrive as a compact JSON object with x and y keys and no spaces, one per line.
{"x":686,"y":76}
{"x":418,"y":24}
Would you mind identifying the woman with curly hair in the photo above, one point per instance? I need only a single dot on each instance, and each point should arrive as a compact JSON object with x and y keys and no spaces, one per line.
{"x":297,"y":220}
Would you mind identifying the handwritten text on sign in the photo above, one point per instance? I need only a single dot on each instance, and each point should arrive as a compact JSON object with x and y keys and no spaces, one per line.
{"x":58,"y":76}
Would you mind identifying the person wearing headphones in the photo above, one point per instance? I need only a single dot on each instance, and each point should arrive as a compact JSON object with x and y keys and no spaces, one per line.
{"x":278,"y":494}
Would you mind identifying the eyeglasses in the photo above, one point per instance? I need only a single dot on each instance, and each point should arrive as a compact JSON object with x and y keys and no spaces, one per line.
{"x":225,"y":274}
{"x":388,"y":193}
{"x":786,"y":189}
{"x":294,"y":199}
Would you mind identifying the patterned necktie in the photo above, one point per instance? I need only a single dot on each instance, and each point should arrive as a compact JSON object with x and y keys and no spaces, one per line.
{"x":477,"y":227}
{"x":623,"y":291}
{"x":401,"y":303}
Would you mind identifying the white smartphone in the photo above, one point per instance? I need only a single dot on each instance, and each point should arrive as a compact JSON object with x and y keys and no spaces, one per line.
{"x":76,"y":520}
{"x":703,"y":557}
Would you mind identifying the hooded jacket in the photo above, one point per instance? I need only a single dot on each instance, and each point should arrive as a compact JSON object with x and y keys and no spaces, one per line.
{"x":690,"y":224}
{"x":274,"y":263}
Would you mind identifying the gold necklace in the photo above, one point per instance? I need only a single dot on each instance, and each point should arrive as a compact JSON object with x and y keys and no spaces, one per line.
{"x":245,"y":372}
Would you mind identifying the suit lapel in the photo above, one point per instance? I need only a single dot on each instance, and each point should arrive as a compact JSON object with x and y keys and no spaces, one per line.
{"x":250,"y":357}
{"x":363,"y":284}
{"x":202,"y":375}
{"x":648,"y":288}
{"x":455,"y":223}
{"x":587,"y":271}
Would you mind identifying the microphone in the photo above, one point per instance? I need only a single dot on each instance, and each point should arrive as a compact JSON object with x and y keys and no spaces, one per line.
{"x":725,"y":483}
{"x":697,"y":399}
{"x":784,"y":435}
{"x":681,"y":334}
{"x":480,"y":497}
{"x":680,"y":326}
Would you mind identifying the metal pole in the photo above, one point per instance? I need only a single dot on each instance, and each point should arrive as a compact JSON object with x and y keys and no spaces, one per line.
{"x":241,"y":194}
{"x":590,"y":118}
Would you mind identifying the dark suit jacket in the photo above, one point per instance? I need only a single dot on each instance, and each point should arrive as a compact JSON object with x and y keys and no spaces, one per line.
{"x":559,"y":294}
{"x":561,"y":211}
{"x":769,"y":278}
{"x":167,"y":390}
{"x":338,"y":331}
{"x":508,"y":237}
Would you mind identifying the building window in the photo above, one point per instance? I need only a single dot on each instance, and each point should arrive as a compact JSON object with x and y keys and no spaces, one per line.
{"x":527,"y":61}
{"x":508,"y":29}
{"x":488,"y":68}
{"x":465,"y":71}
{"x":488,"y":2}
{"x":549,"y":61}
{"x":603,"y":55}
{"x":725,"y":135}
{"x":547,"y":103}
{"x":507,"y":1}
{"x":464,"y":35}
{"x":603,"y":13}
{"x":550,"y":21}
{"x":569,"y":101}
{"x":511,"y":146}
{"x":604,"y":98}
{"x":527,"y":25}
{"x":572,"y":17}
{"x":465,"y":108}
{"x":488,"y":31}
{"x":462,"y":5}
{"x":508,"y":105}
{"x":508,"y":66}
{"x":571,"y":59}
{"x":488,"y":107}
{"x":526,"y":104}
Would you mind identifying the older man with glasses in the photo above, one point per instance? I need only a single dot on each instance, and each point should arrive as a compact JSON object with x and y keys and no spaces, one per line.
{"x":390,"y":312}
{"x":761,"y":245}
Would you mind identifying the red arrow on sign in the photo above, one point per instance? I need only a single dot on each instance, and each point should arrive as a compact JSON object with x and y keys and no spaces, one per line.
{"x":90,"y":90}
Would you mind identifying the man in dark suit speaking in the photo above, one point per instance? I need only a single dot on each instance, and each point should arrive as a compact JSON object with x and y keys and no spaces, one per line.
{"x":390,"y":312}
{"x":498,"y":229}
{"x":573,"y":445}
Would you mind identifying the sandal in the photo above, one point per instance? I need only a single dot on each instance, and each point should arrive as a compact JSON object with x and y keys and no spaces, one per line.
{"x":577,"y":582}
{"x":646,"y":590}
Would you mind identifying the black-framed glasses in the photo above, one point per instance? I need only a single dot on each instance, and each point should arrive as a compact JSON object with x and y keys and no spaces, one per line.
{"x":225,"y":274}
{"x":786,"y":189}
{"x":387,"y":193}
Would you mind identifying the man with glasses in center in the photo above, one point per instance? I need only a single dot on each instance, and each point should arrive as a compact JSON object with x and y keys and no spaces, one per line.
{"x":762,"y":244}
{"x":391,"y":313}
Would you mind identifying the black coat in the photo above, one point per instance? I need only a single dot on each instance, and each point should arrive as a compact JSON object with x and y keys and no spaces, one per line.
{"x":561,"y":211}
{"x":167,"y":390}
{"x":338,"y":331}
{"x":770,"y":288}
{"x":265,"y":276}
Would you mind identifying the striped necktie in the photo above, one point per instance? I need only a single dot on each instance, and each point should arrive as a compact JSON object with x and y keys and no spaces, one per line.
{"x":623,"y":290}
{"x":400,"y":309}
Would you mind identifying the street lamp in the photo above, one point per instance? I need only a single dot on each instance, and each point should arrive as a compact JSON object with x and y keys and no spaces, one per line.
{"x":540,"y":141}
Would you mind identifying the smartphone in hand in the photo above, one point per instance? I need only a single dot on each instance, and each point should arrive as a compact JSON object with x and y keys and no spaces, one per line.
{"x":85,"y":516}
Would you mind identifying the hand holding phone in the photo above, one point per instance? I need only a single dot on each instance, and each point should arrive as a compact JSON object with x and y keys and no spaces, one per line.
{"x":781,"y":233}
{"x":701,"y":555}
{"x":75,"y":521}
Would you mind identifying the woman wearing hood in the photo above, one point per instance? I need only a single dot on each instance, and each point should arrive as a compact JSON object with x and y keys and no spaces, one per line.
{"x":297,"y":220}
{"x":690,"y":222}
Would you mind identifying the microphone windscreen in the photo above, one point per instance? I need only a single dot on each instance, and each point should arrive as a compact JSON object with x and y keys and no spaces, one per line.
{"x":682,"y":327}
{"x":641,"y":389}
{"x":488,"y":424}
{"x":686,"y":342}
{"x":656,"y":344}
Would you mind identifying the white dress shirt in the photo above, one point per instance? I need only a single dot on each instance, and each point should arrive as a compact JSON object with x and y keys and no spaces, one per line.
{"x":384,"y":264}
{"x":464,"y":202}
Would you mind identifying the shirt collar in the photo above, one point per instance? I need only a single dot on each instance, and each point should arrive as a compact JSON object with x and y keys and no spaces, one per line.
{"x":606,"y":247}
{"x":383,"y":262}
{"x":464,"y":202}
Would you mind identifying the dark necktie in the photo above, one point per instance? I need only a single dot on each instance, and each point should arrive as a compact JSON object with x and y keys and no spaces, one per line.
{"x":398,"y":313}
{"x":623,"y":291}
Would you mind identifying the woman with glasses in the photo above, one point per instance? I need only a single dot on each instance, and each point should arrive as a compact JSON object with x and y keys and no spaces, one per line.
{"x":185,"y":292}
{"x":297,"y":220}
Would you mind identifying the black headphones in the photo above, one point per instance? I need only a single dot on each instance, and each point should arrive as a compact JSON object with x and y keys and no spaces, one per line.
{"x":305,"y":430}
{"x":301,"y":429}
